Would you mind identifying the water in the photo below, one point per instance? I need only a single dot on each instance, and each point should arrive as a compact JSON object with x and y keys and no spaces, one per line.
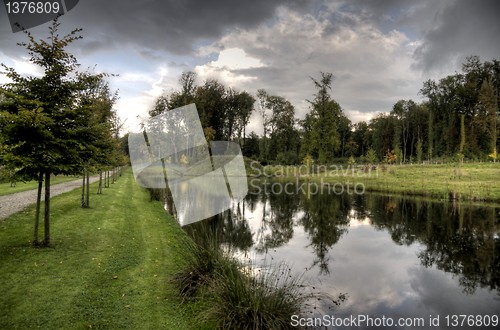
{"x":392,"y":257}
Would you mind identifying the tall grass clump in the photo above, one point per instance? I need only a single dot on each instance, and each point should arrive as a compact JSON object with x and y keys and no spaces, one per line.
{"x":202,"y":261}
{"x":230,"y":295}
{"x":236,"y":299}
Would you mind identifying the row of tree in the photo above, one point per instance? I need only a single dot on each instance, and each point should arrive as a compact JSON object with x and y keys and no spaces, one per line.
{"x":459,"y":118}
{"x":61,"y":122}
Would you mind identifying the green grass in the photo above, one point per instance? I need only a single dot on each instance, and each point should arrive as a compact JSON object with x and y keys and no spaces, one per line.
{"x":6,"y":189}
{"x":229,"y":294}
{"x":107,"y":267}
{"x":470,"y":181}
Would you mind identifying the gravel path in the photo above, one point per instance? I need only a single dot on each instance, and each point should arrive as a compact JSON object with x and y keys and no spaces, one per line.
{"x":10,"y":204}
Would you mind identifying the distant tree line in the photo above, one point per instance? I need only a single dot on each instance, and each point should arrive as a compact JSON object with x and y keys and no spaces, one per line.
{"x":459,"y":118}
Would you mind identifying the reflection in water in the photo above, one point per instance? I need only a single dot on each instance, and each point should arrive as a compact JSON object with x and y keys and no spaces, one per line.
{"x":393,"y":256}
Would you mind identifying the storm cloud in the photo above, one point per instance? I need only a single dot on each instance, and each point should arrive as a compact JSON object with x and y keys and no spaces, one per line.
{"x":379,"y":51}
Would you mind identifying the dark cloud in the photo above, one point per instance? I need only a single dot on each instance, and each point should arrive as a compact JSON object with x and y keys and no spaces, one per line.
{"x":448,"y":31}
{"x":171,"y":25}
{"x":461,"y":29}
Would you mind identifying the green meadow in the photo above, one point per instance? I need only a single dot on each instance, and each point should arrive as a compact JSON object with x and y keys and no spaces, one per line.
{"x":108,"y":267}
{"x":468,"y":181}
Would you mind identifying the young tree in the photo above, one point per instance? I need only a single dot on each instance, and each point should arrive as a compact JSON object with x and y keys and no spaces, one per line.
{"x":99,"y":129}
{"x":40,"y":117}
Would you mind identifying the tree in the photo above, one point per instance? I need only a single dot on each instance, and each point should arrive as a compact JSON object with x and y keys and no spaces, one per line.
{"x":238,"y":111}
{"x":371,"y":156}
{"x":345,"y":127}
{"x":325,"y":114}
{"x":40,"y":118}
{"x":488,"y":105}
{"x":383,"y":127}
{"x":459,"y":101}
{"x":266,"y":122}
{"x":278,"y":114}
{"x":251,"y":147}
{"x":360,"y":137}
{"x":99,"y":129}
{"x":402,"y":110}
{"x":211,"y":104}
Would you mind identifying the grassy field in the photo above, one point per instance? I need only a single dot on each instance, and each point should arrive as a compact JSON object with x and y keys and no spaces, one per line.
{"x":108,"y":266}
{"x":469,"y":181}
{"x":6,"y":189}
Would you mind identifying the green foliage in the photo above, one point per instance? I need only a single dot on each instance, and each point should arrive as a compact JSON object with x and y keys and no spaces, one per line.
{"x":371,"y":156}
{"x":280,"y":142}
{"x":419,"y":151}
{"x":462,"y":133}
{"x":398,"y":153}
{"x":466,"y":100}
{"x":308,"y":161}
{"x":250,"y":146}
{"x":321,"y":125}
{"x":288,"y":157}
{"x":224,"y":112}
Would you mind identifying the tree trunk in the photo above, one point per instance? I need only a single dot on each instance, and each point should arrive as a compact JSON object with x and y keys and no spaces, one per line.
{"x":82,"y":203}
{"x":462,"y":133}
{"x":38,"y":202}
{"x":87,"y":199}
{"x":99,"y":189}
{"x":46,"y":239}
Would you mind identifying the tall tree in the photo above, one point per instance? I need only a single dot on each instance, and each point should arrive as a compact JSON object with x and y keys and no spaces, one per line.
{"x":283,"y":145}
{"x":402,"y":111}
{"x":325,"y":114}
{"x":488,"y":105}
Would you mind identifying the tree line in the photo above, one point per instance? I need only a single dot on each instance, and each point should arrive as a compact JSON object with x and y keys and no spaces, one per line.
{"x":61,"y":122}
{"x":458,"y":119}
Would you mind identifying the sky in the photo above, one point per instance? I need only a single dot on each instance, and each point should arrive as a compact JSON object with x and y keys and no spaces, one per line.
{"x":379,"y":51}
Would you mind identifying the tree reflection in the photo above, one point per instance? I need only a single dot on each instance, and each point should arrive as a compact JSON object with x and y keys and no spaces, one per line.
{"x":466,"y":243}
{"x":276,"y":228}
{"x":229,"y":228}
{"x":456,"y":239}
{"x":325,"y":219}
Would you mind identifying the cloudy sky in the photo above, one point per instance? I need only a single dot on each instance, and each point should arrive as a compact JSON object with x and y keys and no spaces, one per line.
{"x":379,"y":51}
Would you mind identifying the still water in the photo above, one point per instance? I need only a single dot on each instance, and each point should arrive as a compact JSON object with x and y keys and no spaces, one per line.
{"x":391,"y":256}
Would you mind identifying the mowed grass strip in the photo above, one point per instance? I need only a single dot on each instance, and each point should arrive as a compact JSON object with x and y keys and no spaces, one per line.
{"x":7,"y":189}
{"x":108,"y":266}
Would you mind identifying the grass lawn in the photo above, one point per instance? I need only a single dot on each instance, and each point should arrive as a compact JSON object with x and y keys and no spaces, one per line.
{"x":6,"y":189}
{"x":107,"y":268}
{"x":470,"y":181}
